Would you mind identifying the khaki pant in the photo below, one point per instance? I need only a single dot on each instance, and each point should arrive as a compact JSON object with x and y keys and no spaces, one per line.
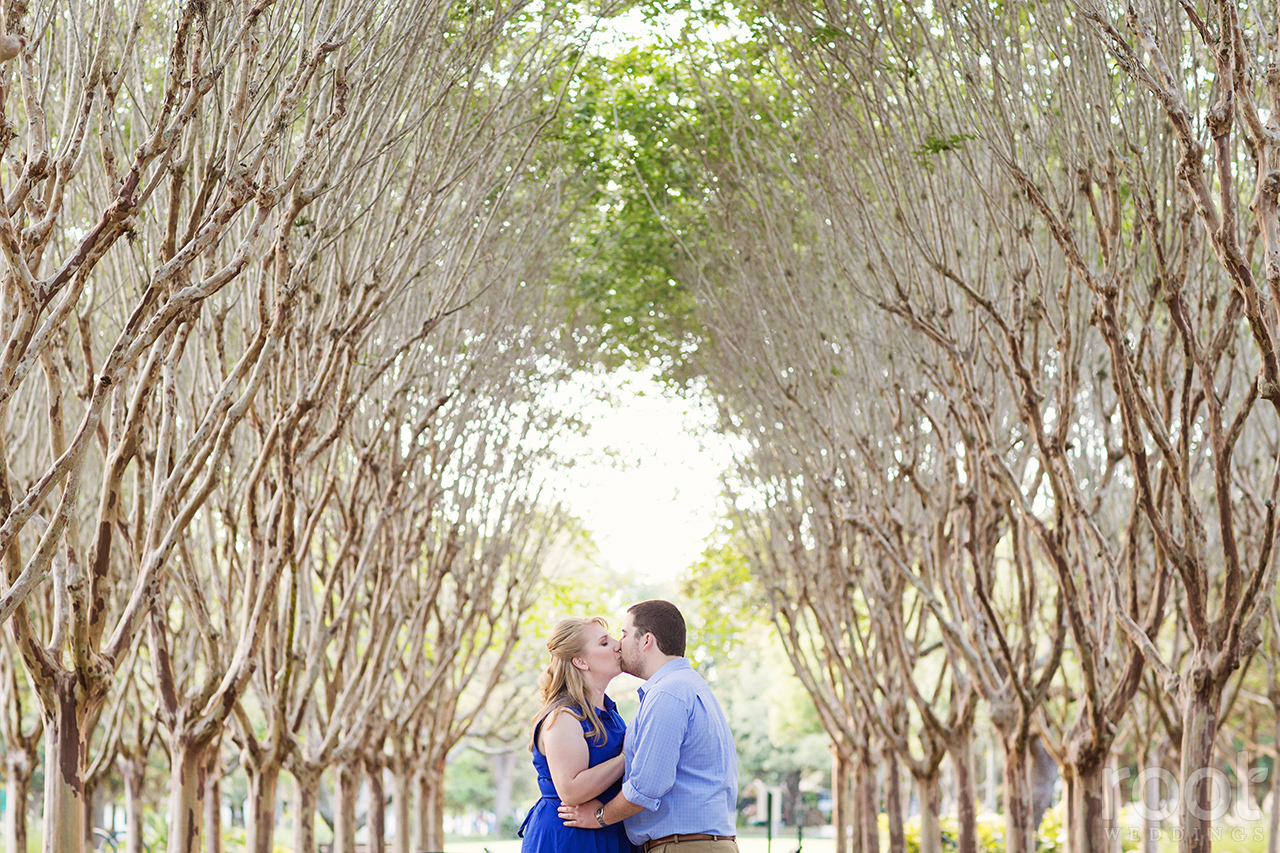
{"x":696,"y":847}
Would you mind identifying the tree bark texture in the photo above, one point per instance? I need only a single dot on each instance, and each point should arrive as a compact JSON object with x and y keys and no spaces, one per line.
{"x":377,"y":818}
{"x":431,"y":805}
{"x":307,"y":781}
{"x":1090,"y":809}
{"x":842,"y":814}
{"x":1273,"y":837}
{"x":893,"y":803}
{"x":213,"y":802}
{"x":929,"y":790}
{"x":189,"y":763}
{"x":64,"y":761}
{"x":344,"y":824}
{"x":868,"y":811}
{"x":90,"y":802}
{"x":260,"y":806}
{"x":1020,"y":835}
{"x":134,"y":771}
{"x":1201,"y":696}
{"x":402,"y":799}
{"x":504,"y":768}
{"x":18,"y":771}
{"x":961,"y":751}
{"x":1151,"y":804}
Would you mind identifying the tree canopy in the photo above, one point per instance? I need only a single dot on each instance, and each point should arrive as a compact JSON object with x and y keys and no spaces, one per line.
{"x":985,"y":296}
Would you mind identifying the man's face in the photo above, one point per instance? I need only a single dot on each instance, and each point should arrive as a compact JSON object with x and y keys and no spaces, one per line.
{"x":629,"y":640}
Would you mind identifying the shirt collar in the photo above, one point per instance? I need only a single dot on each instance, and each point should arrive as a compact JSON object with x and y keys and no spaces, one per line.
{"x":668,"y":668}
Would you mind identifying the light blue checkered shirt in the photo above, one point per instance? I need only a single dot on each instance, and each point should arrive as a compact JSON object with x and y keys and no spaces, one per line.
{"x":682,"y":765}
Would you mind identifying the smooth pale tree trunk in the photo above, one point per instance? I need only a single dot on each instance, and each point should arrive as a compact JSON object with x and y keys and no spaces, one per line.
{"x":421,"y":827}
{"x":791,"y":805}
{"x":1273,"y":842}
{"x":213,"y":801}
{"x":403,"y":801}
{"x":377,"y":820}
{"x":1019,"y":833}
{"x":344,"y":823}
{"x":1090,"y":809}
{"x":437,"y":805}
{"x":1200,"y":700}
{"x":990,"y":799}
{"x":260,"y":807}
{"x":1151,"y":802}
{"x":190,"y":763}
{"x":842,"y":815}
{"x":855,"y":810}
{"x":89,"y":822}
{"x":64,"y":762}
{"x":134,"y":771}
{"x":1091,"y":820}
{"x":929,"y":789}
{"x":893,"y":804}
{"x":307,"y":780}
{"x":1069,"y":797}
{"x":961,"y":751}
{"x":431,"y":806}
{"x":18,"y":770}
{"x":870,"y":828}
{"x":1043,"y":775}
{"x":504,"y":773}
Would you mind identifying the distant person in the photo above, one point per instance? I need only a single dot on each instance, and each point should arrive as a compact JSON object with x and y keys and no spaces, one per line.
{"x":680,"y":792}
{"x":576,"y":739}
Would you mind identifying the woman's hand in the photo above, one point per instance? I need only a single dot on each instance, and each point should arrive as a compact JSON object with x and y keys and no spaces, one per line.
{"x":582,"y":816}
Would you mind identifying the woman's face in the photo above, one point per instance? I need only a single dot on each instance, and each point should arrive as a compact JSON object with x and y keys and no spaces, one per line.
{"x":601,"y":652}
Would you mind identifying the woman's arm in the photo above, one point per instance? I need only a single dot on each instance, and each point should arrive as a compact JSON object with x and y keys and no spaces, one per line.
{"x":565,"y":746}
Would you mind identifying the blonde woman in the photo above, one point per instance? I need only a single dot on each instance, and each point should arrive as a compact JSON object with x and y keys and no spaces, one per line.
{"x":576,"y":740}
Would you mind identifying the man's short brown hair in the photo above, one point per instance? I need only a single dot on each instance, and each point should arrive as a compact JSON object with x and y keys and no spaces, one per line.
{"x":662,"y":619}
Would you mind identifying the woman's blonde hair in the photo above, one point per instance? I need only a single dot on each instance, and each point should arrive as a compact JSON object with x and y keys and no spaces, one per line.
{"x":561,"y":686}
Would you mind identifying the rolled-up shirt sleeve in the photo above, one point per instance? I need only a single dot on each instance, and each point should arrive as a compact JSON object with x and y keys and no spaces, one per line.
{"x":659,"y":730}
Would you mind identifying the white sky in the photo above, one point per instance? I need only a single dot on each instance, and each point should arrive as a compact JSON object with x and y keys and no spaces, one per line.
{"x":646,"y":481}
{"x":620,"y":33}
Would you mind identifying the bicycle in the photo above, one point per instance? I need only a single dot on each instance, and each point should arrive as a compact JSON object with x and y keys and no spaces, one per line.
{"x":105,"y":840}
{"x":111,"y":841}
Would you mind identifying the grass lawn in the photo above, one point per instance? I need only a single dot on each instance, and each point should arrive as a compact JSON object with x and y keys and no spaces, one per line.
{"x":744,"y":845}
{"x":1252,"y":839}
{"x":1247,"y":840}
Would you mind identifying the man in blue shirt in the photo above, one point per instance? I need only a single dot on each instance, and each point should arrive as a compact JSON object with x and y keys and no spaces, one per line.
{"x":681,"y":782}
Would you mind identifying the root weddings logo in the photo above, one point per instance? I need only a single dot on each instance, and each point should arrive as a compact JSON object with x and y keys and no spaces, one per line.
{"x":1208,"y":793}
{"x":1217,"y":834}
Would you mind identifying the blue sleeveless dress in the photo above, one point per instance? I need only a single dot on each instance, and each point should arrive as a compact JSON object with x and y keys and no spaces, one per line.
{"x":544,"y":832}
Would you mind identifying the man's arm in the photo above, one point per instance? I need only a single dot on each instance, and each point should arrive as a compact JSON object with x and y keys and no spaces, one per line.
{"x":584,"y":816}
{"x":652,"y":771}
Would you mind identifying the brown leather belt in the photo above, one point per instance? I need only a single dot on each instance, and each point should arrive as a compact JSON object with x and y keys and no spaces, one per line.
{"x":676,"y":839}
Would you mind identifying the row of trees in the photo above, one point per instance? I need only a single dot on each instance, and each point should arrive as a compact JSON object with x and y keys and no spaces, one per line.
{"x":986,"y":293}
{"x":990,"y":298}
{"x":272,"y":492}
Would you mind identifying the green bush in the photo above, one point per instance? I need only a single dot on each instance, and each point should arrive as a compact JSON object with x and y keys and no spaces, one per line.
{"x":990,"y":833}
{"x":1053,"y":833}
